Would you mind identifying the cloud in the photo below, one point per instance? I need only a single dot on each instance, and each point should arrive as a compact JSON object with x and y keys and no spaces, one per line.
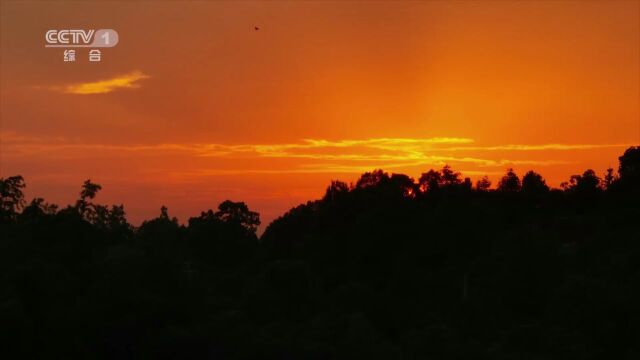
{"x":312,"y":148}
{"x":538,"y":147}
{"x":305,"y":156}
{"x":126,"y":81}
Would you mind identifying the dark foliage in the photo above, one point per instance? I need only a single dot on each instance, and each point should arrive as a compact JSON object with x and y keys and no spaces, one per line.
{"x":387,"y":268}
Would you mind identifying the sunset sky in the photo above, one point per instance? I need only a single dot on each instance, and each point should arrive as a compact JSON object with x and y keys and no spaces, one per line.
{"x":194,"y":106}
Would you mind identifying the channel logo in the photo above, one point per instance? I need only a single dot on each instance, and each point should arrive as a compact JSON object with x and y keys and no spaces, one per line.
{"x":81,"y":38}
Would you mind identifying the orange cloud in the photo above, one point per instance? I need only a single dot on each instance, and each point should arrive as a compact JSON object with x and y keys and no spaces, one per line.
{"x":539,"y":147}
{"x":126,"y":81}
{"x":307,"y":156}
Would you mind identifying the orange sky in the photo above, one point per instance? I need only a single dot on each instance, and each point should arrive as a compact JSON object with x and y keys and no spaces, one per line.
{"x":193,"y":106}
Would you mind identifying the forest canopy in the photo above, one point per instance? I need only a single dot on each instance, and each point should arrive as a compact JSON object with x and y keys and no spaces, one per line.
{"x":388,"y":267}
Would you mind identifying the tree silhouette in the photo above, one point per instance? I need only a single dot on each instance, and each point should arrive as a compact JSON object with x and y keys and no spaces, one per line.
{"x":483,"y":184}
{"x":587,"y":183}
{"x":38,"y":207}
{"x":372,"y":179}
{"x":629,"y":170}
{"x":630,"y":163}
{"x":430,"y":181}
{"x":609,"y":178}
{"x":85,"y":207}
{"x":466,"y":184}
{"x":11,"y":196}
{"x":450,"y":178}
{"x":388,"y":268}
{"x":336,"y":191}
{"x":510,"y":182}
{"x":238,"y":213}
{"x":89,"y":190}
{"x":534,"y":184}
{"x":403,"y":185}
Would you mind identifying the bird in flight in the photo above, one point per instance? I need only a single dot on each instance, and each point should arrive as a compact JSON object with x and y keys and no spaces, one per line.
{"x":256,"y":28}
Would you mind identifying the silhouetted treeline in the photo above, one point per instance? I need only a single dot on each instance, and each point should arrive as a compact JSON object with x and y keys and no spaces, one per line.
{"x":389,"y":267}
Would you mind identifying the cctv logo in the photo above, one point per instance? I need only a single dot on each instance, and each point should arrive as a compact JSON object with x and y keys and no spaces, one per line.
{"x":63,"y":36}
{"x":81,"y":38}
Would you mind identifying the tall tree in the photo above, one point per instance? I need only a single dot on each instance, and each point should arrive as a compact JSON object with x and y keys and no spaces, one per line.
{"x":630,"y":163}
{"x":483,"y":184}
{"x":510,"y":182}
{"x":11,"y":196}
{"x":586,"y":183}
{"x":85,"y":207}
{"x":533,"y":183}
{"x":430,"y":181}
{"x":609,"y":179}
{"x":372,"y":179}
{"x":450,"y":178}
{"x":238,"y":213}
{"x":336,"y":191}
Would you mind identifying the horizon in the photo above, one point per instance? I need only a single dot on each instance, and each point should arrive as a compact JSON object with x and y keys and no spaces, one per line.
{"x":449,"y":180}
